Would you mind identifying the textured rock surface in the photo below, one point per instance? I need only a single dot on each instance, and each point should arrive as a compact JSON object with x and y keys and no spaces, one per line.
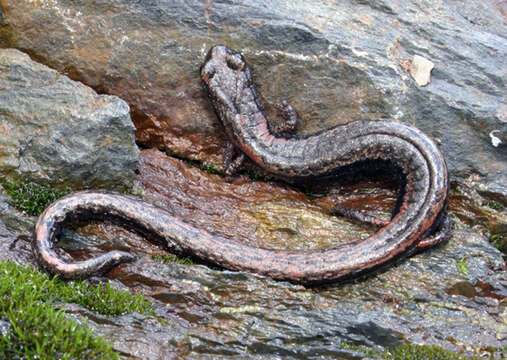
{"x":452,"y":296}
{"x":262,"y":213}
{"x":55,"y":130}
{"x":334,"y":61}
{"x":15,"y":232}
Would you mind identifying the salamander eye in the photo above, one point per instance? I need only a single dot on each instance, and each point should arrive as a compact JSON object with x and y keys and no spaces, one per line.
{"x":207,"y":72}
{"x":235,"y":61}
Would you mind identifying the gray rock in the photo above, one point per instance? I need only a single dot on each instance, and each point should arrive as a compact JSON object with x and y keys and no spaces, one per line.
{"x":450,"y":296}
{"x":56,"y":130}
{"x":15,"y":232}
{"x":494,"y":187}
{"x":335,"y":62}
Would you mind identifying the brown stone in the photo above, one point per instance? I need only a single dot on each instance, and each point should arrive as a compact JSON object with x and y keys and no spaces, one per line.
{"x":145,"y":55}
{"x":334,"y":63}
{"x":262,"y":213}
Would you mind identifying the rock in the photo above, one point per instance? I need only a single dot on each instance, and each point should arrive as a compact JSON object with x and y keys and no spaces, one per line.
{"x":419,"y":68}
{"x":451,"y":296}
{"x":427,"y":299}
{"x":334,"y":63}
{"x":261,"y":213}
{"x":56,"y":130}
{"x":15,"y":233}
{"x":494,"y":188}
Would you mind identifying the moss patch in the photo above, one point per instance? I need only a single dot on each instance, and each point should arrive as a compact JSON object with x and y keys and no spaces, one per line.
{"x":408,"y":352}
{"x":170,"y":258}
{"x":32,"y":198}
{"x":500,"y":242}
{"x":208,"y":168}
{"x":423,"y":352}
{"x":495,"y":205}
{"x":361,"y":348}
{"x":36,"y":330}
{"x":462,"y":265}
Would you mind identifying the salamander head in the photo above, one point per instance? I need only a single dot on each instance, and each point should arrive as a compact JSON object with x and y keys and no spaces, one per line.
{"x":228,"y":80}
{"x":221,"y":58}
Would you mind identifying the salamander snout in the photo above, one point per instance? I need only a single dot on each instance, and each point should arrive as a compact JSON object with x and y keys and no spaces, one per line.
{"x":219,"y":58}
{"x":222,"y":55}
{"x":235,"y":61}
{"x":207,"y":72}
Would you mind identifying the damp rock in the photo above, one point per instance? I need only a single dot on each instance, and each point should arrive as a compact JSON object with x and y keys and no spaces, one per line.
{"x":333,"y":63}
{"x":15,"y":232}
{"x":450,"y":296}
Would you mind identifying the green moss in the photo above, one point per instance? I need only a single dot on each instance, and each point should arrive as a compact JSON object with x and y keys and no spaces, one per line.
{"x":405,"y":293}
{"x":137,"y":192}
{"x":32,"y":198}
{"x":462,"y":265}
{"x":361,"y":348}
{"x":212,"y":168}
{"x":170,"y":258}
{"x":103,"y":299}
{"x":408,"y":352}
{"x":256,"y":176}
{"x":39,"y":331}
{"x":209,"y":168}
{"x":422,"y":352}
{"x":495,"y":205}
{"x":500,"y":241}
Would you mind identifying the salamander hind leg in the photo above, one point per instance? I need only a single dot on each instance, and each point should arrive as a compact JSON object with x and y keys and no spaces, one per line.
{"x":443,"y":233}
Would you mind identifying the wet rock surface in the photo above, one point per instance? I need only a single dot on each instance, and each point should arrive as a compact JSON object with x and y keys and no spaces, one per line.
{"x":262,"y":213}
{"x":452,"y":296}
{"x":55,"y":130}
{"x":336,"y":62}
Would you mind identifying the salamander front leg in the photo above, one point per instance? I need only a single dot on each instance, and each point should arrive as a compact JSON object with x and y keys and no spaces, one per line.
{"x":289,"y":118}
{"x":233,"y":159}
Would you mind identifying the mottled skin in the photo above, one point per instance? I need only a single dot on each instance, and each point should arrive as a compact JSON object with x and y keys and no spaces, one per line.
{"x":231,"y":90}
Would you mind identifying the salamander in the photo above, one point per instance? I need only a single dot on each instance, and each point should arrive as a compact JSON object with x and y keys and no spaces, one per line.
{"x":420,"y":219}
